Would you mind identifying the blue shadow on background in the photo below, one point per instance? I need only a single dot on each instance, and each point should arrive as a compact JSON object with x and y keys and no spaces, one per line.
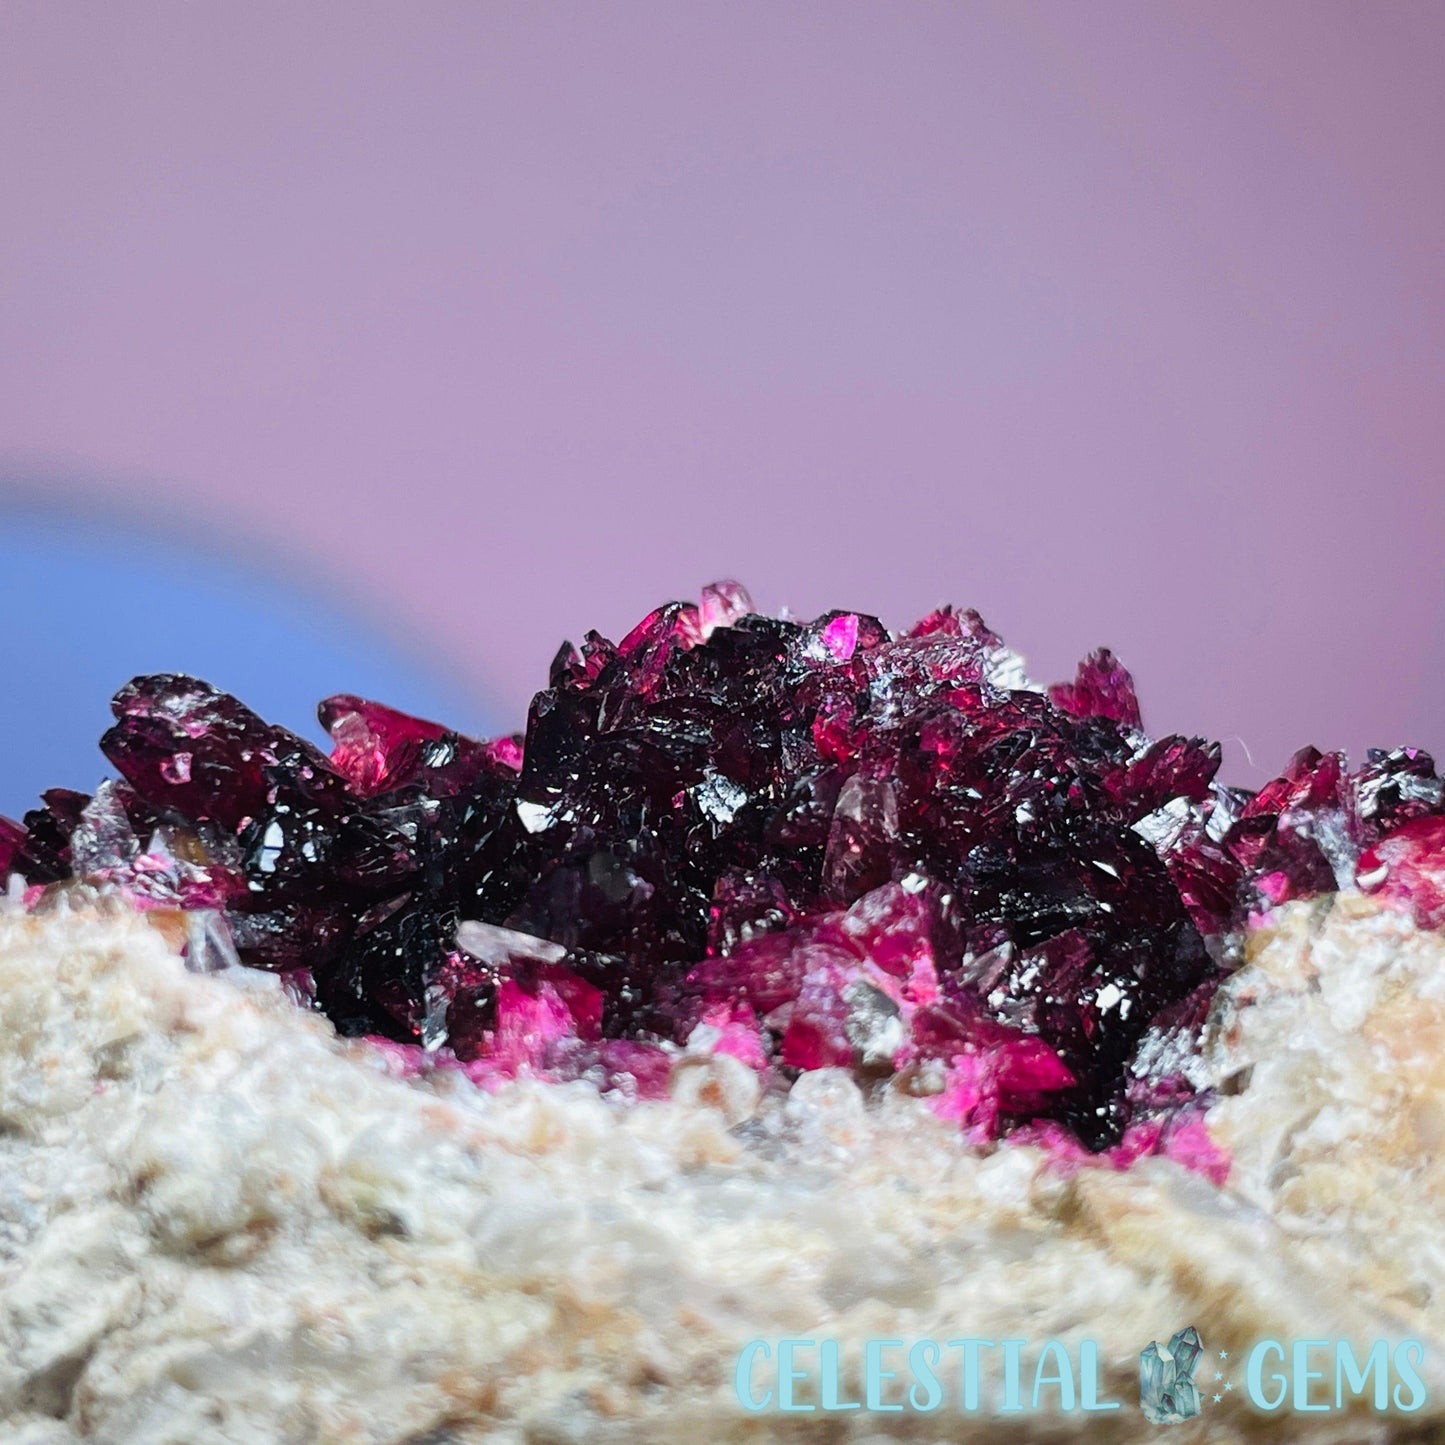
{"x":90,"y":597}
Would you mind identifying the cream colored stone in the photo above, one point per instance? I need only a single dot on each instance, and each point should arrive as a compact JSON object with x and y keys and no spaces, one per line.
{"x":218,"y":1223}
{"x":718,"y":1081}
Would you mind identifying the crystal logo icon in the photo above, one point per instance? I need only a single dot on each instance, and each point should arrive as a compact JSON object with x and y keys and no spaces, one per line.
{"x":1167,"y":1392}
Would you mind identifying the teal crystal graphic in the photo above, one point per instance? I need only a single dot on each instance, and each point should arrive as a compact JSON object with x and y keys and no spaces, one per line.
{"x":1167,"y":1392}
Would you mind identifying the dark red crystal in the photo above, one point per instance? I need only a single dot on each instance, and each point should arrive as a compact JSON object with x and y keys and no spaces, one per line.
{"x":813,"y":844}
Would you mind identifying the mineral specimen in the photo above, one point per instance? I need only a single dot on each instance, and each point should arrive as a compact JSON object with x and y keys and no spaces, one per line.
{"x":816,"y":845}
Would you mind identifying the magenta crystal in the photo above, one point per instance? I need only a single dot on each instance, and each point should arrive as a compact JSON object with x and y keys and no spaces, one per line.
{"x":373,"y":746}
{"x":1102,"y":688}
{"x":1408,"y":867}
{"x":805,"y":844}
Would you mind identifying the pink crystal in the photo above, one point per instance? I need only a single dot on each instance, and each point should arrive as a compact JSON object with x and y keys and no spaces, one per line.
{"x":1408,"y":868}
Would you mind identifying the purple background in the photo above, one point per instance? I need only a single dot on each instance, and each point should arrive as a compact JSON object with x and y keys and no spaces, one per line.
{"x":1122,"y":323}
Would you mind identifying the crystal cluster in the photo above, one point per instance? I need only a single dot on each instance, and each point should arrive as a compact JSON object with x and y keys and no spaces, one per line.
{"x":804,"y":844}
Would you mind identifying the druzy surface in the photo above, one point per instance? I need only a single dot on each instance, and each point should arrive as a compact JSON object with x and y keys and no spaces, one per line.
{"x":809,"y":844}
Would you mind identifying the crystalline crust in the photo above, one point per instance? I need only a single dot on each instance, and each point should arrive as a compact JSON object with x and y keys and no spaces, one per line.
{"x":824,"y":844}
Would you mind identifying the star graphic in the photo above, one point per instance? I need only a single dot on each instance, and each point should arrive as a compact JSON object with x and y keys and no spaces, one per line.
{"x":1218,"y":1374}
{"x":1224,"y":1354}
{"x":1227,"y":1385}
{"x":1218,"y":1398}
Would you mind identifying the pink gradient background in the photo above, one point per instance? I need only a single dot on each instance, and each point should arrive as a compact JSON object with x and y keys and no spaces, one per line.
{"x":1123,"y":323}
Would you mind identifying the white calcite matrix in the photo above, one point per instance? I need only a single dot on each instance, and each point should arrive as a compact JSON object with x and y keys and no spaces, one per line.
{"x":220,"y":1223}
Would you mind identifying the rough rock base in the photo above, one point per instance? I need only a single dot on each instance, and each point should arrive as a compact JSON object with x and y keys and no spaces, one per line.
{"x":219,"y":1223}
